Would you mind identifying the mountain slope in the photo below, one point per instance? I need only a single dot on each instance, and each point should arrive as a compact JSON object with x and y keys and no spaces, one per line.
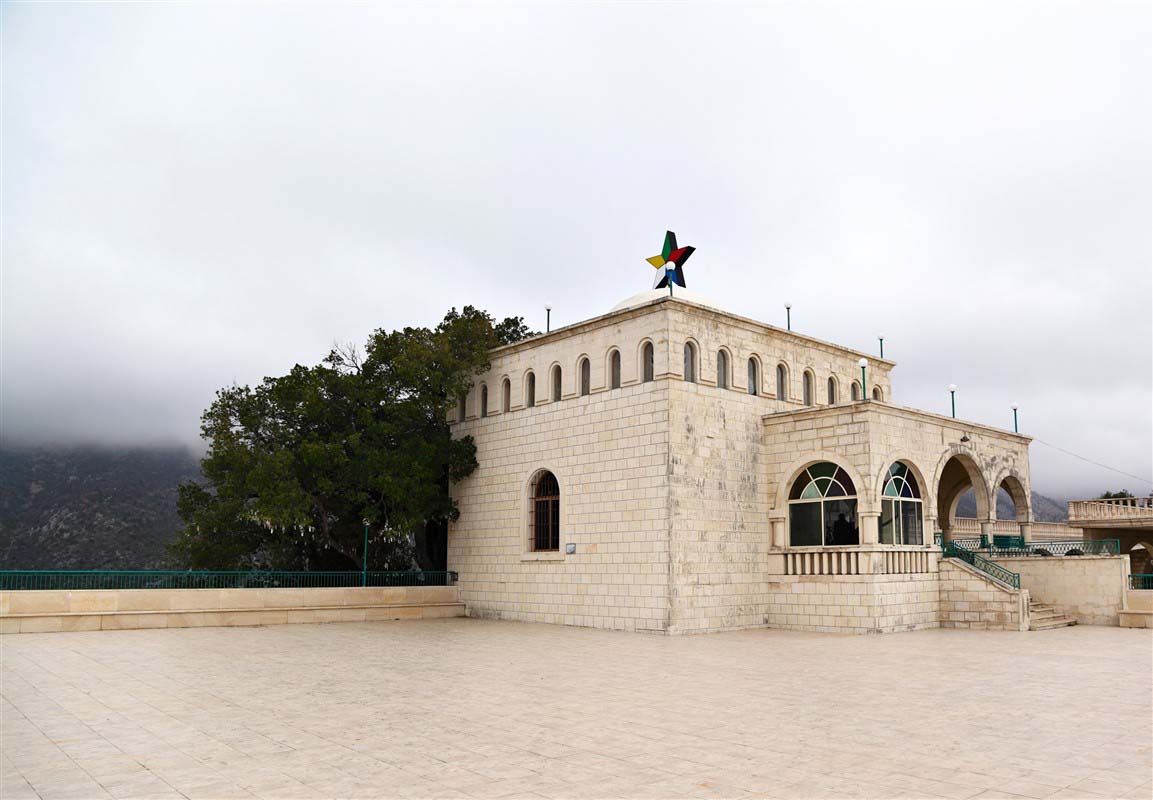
{"x":89,"y":508}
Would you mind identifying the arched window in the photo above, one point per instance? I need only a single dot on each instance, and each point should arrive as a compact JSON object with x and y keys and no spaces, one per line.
{"x":722,"y":369}
{"x":483,"y":400}
{"x":690,"y":363}
{"x":505,"y":396}
{"x":782,"y":382}
{"x":647,"y":362}
{"x":461,"y":407}
{"x":901,"y":517}
{"x":856,"y":391}
{"x":556,"y":383}
{"x":615,"y":370}
{"x":807,"y":388}
{"x":754,"y":377}
{"x":833,"y":399}
{"x":823,"y":507}
{"x":586,"y":376}
{"x":544,"y":513}
{"x":876,"y":392}
{"x":530,"y":390}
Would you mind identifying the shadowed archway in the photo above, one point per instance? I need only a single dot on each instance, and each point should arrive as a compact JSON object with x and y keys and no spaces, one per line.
{"x":957,"y":475}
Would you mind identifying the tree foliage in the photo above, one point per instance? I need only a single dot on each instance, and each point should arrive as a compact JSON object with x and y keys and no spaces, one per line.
{"x":1115,"y":495}
{"x":298,"y":465}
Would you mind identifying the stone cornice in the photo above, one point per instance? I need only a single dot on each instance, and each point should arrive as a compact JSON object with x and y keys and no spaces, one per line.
{"x":863,"y":407}
{"x":613,"y":317}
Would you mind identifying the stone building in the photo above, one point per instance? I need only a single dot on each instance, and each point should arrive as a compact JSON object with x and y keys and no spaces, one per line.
{"x":672,"y":467}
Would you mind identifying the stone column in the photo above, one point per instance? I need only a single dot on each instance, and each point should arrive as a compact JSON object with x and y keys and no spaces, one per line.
{"x":1026,"y":531}
{"x":870,"y":526}
{"x":987,"y":530}
{"x":777,"y":533}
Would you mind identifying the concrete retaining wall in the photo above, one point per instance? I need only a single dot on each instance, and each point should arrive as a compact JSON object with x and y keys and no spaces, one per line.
{"x":1090,"y":589}
{"x":116,"y":609}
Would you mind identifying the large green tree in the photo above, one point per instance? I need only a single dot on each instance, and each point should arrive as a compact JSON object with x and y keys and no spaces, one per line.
{"x":298,"y":465}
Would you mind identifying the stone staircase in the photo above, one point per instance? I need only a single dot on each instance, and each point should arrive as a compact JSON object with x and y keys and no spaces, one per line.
{"x":1043,"y":618}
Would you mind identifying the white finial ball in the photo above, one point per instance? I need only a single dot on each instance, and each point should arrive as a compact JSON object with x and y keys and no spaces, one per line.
{"x":788,"y":305}
{"x":952,"y":387}
{"x":864,"y":362}
{"x":1015,"y":406}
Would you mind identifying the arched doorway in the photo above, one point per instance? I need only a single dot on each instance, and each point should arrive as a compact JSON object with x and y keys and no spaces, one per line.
{"x":957,"y":475}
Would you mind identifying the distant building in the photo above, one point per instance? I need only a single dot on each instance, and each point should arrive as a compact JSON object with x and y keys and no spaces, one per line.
{"x":673,"y":467}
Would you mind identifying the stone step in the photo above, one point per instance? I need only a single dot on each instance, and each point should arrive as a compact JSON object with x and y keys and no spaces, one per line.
{"x":1047,"y":614}
{"x":1050,"y":624}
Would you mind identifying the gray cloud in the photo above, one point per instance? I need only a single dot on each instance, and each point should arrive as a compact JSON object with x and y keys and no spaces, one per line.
{"x":195,"y":195}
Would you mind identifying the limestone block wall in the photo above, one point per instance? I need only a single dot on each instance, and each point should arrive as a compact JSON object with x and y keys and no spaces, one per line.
{"x":718,"y":510}
{"x":123,"y":609}
{"x":609,"y":452}
{"x":854,"y":603}
{"x":1091,"y":589}
{"x":969,"y":601}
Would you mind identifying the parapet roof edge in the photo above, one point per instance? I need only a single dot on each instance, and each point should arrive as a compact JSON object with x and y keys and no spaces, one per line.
{"x":905,"y":411}
{"x":593,"y":322}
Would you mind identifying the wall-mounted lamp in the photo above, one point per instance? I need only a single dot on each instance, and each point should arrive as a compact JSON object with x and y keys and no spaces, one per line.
{"x":964,"y":438}
{"x":953,"y":398}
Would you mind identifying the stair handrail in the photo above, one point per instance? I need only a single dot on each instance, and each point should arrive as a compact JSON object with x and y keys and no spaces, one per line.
{"x":990,"y":568}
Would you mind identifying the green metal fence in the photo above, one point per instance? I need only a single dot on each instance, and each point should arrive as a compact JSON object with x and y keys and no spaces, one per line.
{"x":990,"y":568}
{"x":1017,"y":546}
{"x":1098,"y":547}
{"x":11,"y":580}
{"x":1144,"y":582}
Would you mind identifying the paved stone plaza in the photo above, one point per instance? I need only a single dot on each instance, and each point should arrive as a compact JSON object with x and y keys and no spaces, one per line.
{"x":471,"y":708}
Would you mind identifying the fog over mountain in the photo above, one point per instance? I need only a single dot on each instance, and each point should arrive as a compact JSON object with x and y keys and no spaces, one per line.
{"x":197,"y":194}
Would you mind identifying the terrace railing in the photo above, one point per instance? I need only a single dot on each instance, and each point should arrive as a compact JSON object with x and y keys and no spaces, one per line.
{"x":991,"y":568}
{"x":1099,"y":547}
{"x":16,"y":580}
{"x":1017,"y":546}
{"x":1114,"y":508}
{"x":1141,"y":582}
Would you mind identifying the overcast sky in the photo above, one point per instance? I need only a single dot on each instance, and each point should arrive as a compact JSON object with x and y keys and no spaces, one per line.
{"x":200,"y":194}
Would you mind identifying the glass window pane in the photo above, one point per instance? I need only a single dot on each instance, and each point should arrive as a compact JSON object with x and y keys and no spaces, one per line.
{"x":843,"y":478}
{"x":888,"y":529}
{"x":811,"y":491}
{"x":823,"y":469}
{"x":905,"y":490}
{"x":753,"y":387}
{"x":911,"y":479}
{"x":841,"y":522}
{"x":891,"y":489}
{"x":911,"y":522}
{"x":835,"y":490}
{"x":648,"y":359}
{"x":804,"y":524}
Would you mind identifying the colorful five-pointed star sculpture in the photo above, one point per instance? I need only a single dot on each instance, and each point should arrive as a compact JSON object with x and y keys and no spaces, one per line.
{"x":670,"y":263}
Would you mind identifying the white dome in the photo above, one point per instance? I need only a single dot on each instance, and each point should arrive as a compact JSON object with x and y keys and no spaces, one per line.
{"x":641,"y":298}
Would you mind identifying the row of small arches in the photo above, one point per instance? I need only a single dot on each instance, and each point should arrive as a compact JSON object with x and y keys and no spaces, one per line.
{"x":690,"y":374}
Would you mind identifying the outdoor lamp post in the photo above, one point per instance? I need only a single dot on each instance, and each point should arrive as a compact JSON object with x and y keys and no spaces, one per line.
{"x":953,"y":398}
{"x":881,"y":339}
{"x":364,"y":560}
{"x":547,"y":319}
{"x":1015,"y":406}
{"x":864,"y":383}
{"x":788,"y":316}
